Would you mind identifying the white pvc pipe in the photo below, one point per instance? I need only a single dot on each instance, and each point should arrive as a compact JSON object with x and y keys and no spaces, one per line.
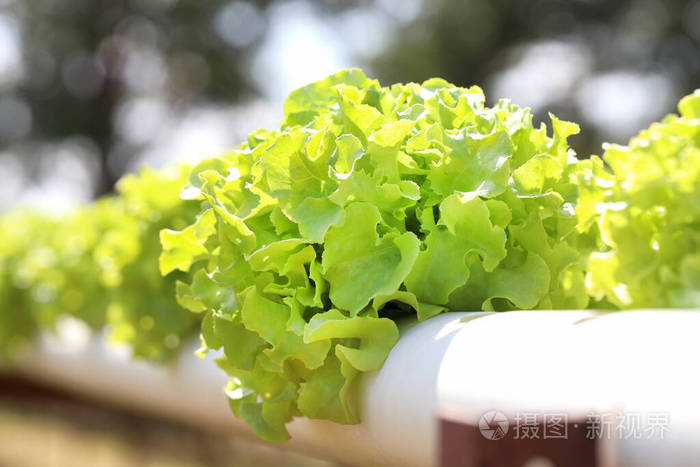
{"x":454,"y":365}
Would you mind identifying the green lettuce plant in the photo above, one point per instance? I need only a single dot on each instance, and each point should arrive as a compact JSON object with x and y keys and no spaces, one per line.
{"x":48,"y":270}
{"x":648,"y":213}
{"x":141,"y":310}
{"x":20,"y":232}
{"x":98,"y":263}
{"x":371,"y":203}
{"x":299,"y":251}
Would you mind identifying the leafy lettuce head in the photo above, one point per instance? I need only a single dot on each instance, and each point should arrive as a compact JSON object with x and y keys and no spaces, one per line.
{"x":368,"y":204}
{"x":650,"y":214}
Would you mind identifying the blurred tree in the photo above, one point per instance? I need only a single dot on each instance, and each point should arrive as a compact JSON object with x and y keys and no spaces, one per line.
{"x":82,"y":57}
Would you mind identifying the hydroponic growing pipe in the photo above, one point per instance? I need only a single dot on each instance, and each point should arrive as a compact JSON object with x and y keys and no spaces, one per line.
{"x":629,"y":368}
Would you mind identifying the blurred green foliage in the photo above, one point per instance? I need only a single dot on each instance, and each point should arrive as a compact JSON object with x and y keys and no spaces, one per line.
{"x":98,"y":264}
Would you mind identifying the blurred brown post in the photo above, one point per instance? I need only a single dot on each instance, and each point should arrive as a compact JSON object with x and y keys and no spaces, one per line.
{"x":462,"y":444}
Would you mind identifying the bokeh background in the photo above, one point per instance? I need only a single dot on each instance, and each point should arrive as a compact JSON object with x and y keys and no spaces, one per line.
{"x":92,"y":89}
